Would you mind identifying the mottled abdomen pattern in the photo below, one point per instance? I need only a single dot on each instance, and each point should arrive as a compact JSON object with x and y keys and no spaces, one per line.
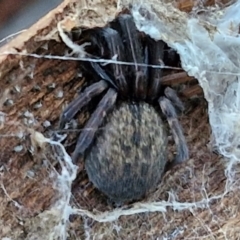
{"x":129,"y":154}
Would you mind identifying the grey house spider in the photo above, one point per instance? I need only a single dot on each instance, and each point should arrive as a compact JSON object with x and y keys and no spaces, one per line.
{"x":124,"y":142}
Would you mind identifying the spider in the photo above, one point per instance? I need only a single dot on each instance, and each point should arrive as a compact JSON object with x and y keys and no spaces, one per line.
{"x":124,"y":142}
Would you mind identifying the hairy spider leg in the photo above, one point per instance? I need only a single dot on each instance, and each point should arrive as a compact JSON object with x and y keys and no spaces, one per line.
{"x":170,"y":113}
{"x":156,"y":51}
{"x":116,"y":49}
{"x":137,"y":54}
{"x":141,"y":78}
{"x":173,"y":97}
{"x":80,"y":101}
{"x":87,"y":135}
{"x":100,"y":71}
{"x":99,"y":46}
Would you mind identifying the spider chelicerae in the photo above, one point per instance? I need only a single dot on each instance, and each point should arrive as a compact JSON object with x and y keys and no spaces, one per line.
{"x":124,"y":142}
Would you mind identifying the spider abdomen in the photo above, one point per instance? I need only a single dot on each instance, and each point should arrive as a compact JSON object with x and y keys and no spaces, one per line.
{"x":129,"y":154}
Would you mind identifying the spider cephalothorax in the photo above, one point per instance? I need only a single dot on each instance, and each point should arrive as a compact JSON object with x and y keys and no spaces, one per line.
{"x":124,"y":142}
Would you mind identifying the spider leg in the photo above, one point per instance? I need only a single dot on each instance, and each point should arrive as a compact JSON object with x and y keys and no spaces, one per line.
{"x":99,"y":70}
{"x":141,"y":81}
{"x":96,"y":120}
{"x":82,"y":99}
{"x":156,"y":51}
{"x":116,"y":49}
{"x":170,"y":113}
{"x":137,"y":54}
{"x":173,"y":97}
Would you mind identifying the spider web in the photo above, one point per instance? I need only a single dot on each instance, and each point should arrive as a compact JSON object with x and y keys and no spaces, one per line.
{"x":209,"y":46}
